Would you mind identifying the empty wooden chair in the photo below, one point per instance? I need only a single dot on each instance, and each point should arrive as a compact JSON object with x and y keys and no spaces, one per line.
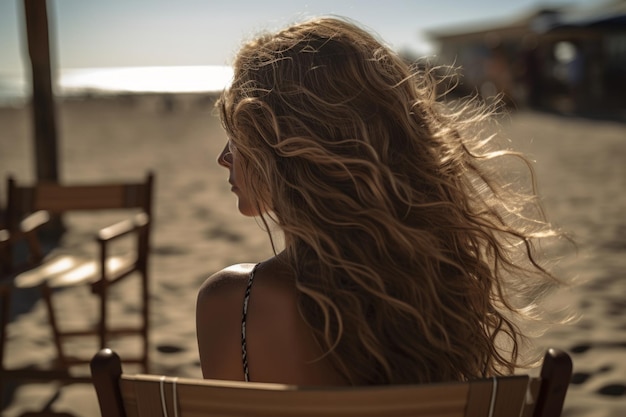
{"x":123,"y":395}
{"x":28,"y":208}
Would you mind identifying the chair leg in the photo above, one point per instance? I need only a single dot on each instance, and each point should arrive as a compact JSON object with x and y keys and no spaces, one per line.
{"x":102,"y":291}
{"x":5,"y":306}
{"x":102,"y":325}
{"x":56,"y":332}
{"x":146,"y":321}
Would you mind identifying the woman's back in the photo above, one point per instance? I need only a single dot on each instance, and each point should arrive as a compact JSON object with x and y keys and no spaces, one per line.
{"x":279,"y":346}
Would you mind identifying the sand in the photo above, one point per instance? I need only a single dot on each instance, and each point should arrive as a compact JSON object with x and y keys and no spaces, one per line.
{"x":582,"y":181}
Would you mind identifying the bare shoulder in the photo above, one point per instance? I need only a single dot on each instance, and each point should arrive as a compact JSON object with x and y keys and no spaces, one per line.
{"x":222,"y":294}
{"x":218,"y":322}
{"x":226,"y":281}
{"x":280,"y":345}
{"x":273,"y":286}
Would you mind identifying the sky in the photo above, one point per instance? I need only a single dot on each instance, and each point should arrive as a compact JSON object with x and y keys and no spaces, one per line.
{"x":114,"y":33}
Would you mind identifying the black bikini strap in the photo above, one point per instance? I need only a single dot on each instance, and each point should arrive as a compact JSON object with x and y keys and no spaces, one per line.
{"x":244,"y":350}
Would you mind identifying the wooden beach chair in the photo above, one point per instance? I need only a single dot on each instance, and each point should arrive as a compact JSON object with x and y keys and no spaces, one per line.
{"x":28,"y":209}
{"x":123,"y":395}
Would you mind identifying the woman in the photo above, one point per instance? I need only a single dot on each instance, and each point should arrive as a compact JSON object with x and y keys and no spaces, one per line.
{"x":400,"y":245}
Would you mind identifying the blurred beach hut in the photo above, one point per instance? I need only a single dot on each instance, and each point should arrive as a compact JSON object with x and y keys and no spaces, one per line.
{"x":560,"y":58}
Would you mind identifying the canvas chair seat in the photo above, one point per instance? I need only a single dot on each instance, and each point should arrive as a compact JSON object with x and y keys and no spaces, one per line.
{"x":66,"y":270}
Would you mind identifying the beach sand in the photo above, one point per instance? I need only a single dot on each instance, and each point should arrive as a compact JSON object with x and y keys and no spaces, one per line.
{"x":581,"y":172}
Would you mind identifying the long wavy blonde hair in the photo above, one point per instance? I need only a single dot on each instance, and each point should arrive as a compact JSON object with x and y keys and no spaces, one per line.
{"x":413,"y":260}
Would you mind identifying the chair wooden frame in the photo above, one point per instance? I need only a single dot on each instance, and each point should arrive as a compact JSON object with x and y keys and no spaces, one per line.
{"x":123,"y":395}
{"x":29,"y":207}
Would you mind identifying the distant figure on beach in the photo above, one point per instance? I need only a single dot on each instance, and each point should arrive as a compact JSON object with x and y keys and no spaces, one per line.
{"x":407,"y":258}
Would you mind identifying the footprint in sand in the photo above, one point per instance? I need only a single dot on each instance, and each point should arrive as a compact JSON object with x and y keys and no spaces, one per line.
{"x":220,"y":233}
{"x":168,"y":250}
{"x":610,"y":390}
{"x":579,"y":378}
{"x":613,"y":390}
{"x":584,"y":347}
{"x":169,"y":349}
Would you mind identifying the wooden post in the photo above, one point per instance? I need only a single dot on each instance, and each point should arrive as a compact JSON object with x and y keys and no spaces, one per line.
{"x":43,"y":107}
{"x":45,"y":132}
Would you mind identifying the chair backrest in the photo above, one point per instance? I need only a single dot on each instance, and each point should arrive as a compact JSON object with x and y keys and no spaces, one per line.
{"x":58,"y":198}
{"x":122,"y":395}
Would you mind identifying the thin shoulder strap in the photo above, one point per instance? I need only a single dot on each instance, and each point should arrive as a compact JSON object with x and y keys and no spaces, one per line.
{"x":244,"y":350}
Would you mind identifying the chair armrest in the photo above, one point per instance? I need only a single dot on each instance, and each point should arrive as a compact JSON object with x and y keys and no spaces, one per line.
{"x":5,"y":240}
{"x":5,"y":261}
{"x":123,"y":228}
{"x":4,"y":237}
{"x":27,"y":233}
{"x":34,"y":221}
